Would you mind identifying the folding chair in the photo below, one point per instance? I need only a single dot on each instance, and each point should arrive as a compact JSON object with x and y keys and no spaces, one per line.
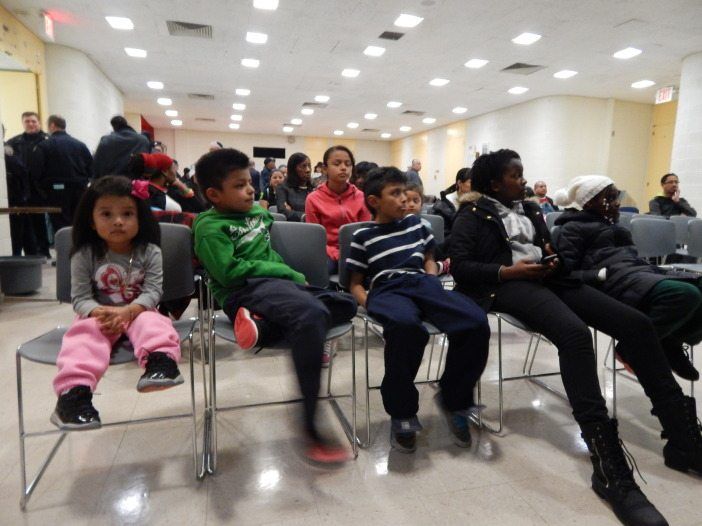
{"x":625,"y":219}
{"x":654,"y":238}
{"x":694,"y":246}
{"x":277,"y":216}
{"x":437,"y":226}
{"x":345,"y":236}
{"x":273,"y":209}
{"x":303,"y":247}
{"x":682,"y":232}
{"x":178,"y":282}
{"x":550,"y":219}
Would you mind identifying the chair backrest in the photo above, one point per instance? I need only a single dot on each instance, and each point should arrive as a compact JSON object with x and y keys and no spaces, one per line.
{"x":345,"y":237}
{"x":273,"y":209}
{"x":630,"y":209}
{"x":653,"y":237}
{"x":437,"y":226}
{"x":303,"y":246}
{"x":625,"y":219}
{"x":277,"y":216}
{"x":694,"y":240}
{"x":555,"y":233}
{"x":176,"y":247}
{"x":551,"y":219}
{"x":681,"y":229}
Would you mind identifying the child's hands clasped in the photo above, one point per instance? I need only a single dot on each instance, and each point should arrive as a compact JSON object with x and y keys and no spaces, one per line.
{"x":113,"y":320}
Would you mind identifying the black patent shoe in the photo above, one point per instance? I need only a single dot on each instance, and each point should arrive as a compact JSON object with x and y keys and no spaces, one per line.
{"x":74,"y":410}
{"x":161,"y":373}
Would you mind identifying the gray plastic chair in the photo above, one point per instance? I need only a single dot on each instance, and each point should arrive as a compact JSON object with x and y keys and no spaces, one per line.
{"x":277,"y":216}
{"x":437,"y":226}
{"x":682,"y":232}
{"x":625,"y":219}
{"x":178,"y":282}
{"x":654,"y":238}
{"x":273,"y":209}
{"x":694,"y":246}
{"x":303,"y":247}
{"x":550,"y":219}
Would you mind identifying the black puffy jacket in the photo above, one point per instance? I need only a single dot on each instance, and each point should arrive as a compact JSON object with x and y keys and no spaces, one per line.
{"x":587,"y":242}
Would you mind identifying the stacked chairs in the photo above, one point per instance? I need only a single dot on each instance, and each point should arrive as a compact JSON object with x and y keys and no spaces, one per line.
{"x":302,"y":246}
{"x":178,"y":282}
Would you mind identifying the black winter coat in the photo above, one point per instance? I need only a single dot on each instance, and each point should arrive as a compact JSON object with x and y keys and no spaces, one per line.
{"x":61,"y":159}
{"x":586,"y":242}
{"x":480,"y":246}
{"x":23,"y":146}
{"x":113,"y":152}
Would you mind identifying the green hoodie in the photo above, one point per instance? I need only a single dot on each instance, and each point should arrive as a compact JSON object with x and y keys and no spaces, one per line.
{"x":235,"y":246}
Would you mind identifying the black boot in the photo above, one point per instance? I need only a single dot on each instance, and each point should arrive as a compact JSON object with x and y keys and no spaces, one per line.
{"x":613,"y":478}
{"x":684,"y":433}
{"x":679,"y":360}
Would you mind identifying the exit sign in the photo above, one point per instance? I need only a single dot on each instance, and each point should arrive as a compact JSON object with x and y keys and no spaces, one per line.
{"x":665,"y":94}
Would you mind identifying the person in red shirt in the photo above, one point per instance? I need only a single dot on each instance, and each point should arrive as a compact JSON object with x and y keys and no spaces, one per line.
{"x":336,"y":202}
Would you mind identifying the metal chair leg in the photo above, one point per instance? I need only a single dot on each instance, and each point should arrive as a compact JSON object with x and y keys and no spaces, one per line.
{"x":431,"y":355}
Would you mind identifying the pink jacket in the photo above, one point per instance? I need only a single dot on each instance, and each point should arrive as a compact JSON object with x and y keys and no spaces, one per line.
{"x":332,"y":210}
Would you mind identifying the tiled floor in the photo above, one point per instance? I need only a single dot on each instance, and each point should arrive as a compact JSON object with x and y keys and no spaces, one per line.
{"x":538,"y":473}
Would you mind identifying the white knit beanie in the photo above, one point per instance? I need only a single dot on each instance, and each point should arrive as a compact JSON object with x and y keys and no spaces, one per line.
{"x":581,"y":190}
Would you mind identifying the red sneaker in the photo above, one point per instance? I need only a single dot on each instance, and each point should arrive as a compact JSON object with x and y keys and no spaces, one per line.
{"x":245,"y":329}
{"x":323,"y":453}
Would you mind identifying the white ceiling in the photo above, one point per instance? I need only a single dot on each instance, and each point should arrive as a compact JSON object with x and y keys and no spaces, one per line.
{"x":311,"y":41}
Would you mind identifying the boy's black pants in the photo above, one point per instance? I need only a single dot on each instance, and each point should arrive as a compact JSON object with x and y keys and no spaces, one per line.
{"x":400,"y":304}
{"x":302,"y":315}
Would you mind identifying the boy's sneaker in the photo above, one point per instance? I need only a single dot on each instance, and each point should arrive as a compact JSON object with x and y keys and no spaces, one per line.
{"x":245,"y":329}
{"x":323,"y":452}
{"x":403,"y":434}
{"x":329,"y":352}
{"x":458,"y":423}
{"x":161,"y":373}
{"x":74,"y":410}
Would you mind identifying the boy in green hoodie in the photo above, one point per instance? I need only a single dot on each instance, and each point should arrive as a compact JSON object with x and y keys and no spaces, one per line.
{"x":263,"y":296}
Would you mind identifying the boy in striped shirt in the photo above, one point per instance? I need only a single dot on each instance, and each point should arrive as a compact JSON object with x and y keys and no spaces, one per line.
{"x":395,"y":256}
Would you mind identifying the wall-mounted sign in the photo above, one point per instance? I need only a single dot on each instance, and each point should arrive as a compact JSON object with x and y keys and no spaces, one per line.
{"x":49,"y":26}
{"x":665,"y":94}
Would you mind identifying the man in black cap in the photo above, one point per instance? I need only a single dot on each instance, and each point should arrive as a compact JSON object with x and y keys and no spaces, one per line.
{"x":114,"y":150}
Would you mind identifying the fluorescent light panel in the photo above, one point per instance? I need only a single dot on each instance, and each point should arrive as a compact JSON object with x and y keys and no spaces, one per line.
{"x":352,"y":125}
{"x":641,"y":84}
{"x":350,"y":73}
{"x":164,"y":101}
{"x":239,"y":106}
{"x":171,"y":113}
{"x":120,"y":22}
{"x":233,"y":126}
{"x":459,"y":110}
{"x":256,"y":38}
{"x":517,"y":90}
{"x":476,"y":63}
{"x":338,"y":132}
{"x":526,"y":39}
{"x":288,"y":129}
{"x":177,"y":122}
{"x":296,"y":121}
{"x":374,"y":51}
{"x":250,"y":62}
{"x":267,"y":5}
{"x":439,"y":82}
{"x":321,"y":98}
{"x":405,"y":20}
{"x":627,"y":53}
{"x":236,"y":117}
{"x":242,"y":92}
{"x":135,"y":52}
{"x":565,"y":74}
{"x":428,"y":120}
{"x":394,"y":104}
{"x":307,"y":111}
{"x":386,"y":135}
{"x":405,"y":128}
{"x":370,"y":116}
{"x":155,"y":84}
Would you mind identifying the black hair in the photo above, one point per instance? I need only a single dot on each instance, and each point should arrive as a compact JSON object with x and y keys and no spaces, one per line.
{"x":57,"y":121}
{"x":379,"y":178}
{"x":214,"y":167}
{"x":118,"y":123}
{"x":462,"y":176}
{"x":490,"y":167}
{"x":135,"y":166}
{"x":360,"y":171}
{"x":111,"y":185}
{"x":295,"y":159}
{"x":665,"y":177}
{"x":333,"y":149}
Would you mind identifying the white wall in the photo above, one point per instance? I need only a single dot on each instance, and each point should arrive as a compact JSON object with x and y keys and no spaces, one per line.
{"x":81,"y":93}
{"x":5,"y":245}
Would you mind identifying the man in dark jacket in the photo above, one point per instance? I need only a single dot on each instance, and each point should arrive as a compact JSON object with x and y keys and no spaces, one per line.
{"x":23,"y":147}
{"x":63,"y":166}
{"x":268,"y":167}
{"x":21,"y":233}
{"x":112,"y":154}
{"x":670,"y":203}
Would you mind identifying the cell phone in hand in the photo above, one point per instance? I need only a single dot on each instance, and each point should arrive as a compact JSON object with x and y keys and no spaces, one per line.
{"x":547,"y":259}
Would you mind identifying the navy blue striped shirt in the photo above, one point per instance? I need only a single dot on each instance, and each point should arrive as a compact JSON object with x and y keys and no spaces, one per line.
{"x":389,"y":248}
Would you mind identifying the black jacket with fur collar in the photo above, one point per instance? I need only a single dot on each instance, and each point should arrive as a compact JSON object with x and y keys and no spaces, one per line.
{"x":480,"y":245}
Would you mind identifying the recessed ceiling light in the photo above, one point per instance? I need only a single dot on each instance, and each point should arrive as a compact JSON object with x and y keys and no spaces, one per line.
{"x":352,"y":125}
{"x":233,"y":126}
{"x":171,"y":113}
{"x":370,"y":116}
{"x":250,"y":62}
{"x":268,"y":5}
{"x":439,"y":82}
{"x":394,"y":104}
{"x":177,"y":122}
{"x":386,"y":135}
{"x":296,"y":121}
{"x":459,"y":109}
{"x":236,"y":117}
{"x":374,"y":51}
{"x":288,"y":129}
{"x":565,"y":74}
{"x":626,"y":53}
{"x":242,"y":92}
{"x":307,"y":111}
{"x":476,"y":63}
{"x":350,"y":73}
{"x":239,"y":106}
{"x":164,"y":101}
{"x":321,"y":98}
{"x":517,"y":90}
{"x":642,"y":84}
{"x":428,"y":120}
{"x":526,"y":39}
{"x":256,"y":38}
{"x":120,"y":22}
{"x":338,"y":132}
{"x":405,"y":128}
{"x":405,"y":20}
{"x":135,"y":52}
{"x":155,"y":84}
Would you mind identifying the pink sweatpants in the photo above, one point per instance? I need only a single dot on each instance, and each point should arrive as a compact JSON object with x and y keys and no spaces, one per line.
{"x":85,"y":350}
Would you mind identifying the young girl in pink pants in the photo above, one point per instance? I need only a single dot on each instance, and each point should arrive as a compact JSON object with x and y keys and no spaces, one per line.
{"x":116,"y":278}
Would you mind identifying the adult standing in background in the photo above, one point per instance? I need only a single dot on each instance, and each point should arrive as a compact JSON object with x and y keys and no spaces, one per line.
{"x":23,"y":147}
{"x":268,"y":167}
{"x":545,"y":202}
{"x":63,"y":166}
{"x":292,"y":194}
{"x":255,"y":179}
{"x":17,"y":180}
{"x":670,"y":203}
{"x":412,"y":173}
{"x":114,"y":150}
